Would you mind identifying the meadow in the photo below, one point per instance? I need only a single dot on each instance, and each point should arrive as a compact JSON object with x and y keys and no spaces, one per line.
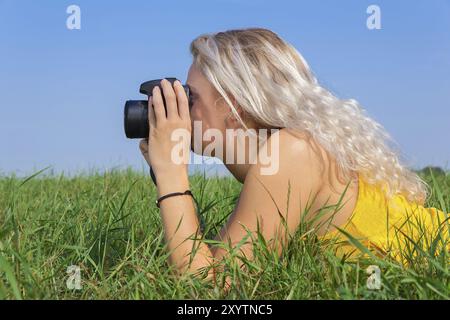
{"x":108,"y":225}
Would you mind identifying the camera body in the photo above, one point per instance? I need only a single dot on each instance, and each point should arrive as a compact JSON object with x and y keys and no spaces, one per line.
{"x":136,"y":111}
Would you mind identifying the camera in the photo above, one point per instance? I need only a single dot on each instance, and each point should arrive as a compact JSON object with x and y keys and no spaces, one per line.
{"x":136,"y":111}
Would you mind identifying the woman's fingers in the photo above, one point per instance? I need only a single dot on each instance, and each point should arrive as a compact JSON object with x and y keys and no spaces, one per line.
{"x":182,"y":99}
{"x":171,"y":99}
{"x":143,"y":145}
{"x":151,"y":113}
{"x":158,"y":106}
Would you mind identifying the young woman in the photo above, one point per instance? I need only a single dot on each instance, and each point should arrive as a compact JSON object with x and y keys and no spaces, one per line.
{"x":326,"y":148}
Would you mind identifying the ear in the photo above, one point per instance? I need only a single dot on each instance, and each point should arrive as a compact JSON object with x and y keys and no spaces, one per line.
{"x":231,"y":119}
{"x":240,"y":112}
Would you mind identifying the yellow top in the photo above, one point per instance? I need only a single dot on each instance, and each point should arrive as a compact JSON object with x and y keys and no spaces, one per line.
{"x":384,"y":226}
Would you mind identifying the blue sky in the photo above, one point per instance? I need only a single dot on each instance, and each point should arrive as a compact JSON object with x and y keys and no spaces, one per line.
{"x":62,"y":91}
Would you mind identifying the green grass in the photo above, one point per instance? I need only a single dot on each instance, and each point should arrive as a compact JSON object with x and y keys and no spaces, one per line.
{"x":109,"y":226}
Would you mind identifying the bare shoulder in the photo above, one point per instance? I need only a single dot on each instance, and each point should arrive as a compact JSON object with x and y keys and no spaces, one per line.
{"x":293,"y":179}
{"x":288,"y":163}
{"x":278,"y":187}
{"x":291,"y":154}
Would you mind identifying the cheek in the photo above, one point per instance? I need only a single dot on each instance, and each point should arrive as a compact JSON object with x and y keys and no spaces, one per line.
{"x":200,"y":112}
{"x":208,"y":114}
{"x":196,"y":112}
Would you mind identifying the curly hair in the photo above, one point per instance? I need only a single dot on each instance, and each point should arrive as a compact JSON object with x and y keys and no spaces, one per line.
{"x":271,"y":81}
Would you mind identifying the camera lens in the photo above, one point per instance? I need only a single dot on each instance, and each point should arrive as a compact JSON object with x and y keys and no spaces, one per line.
{"x":136,"y":119}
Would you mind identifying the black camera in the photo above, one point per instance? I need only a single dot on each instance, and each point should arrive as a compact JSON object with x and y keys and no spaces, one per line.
{"x":136,"y":111}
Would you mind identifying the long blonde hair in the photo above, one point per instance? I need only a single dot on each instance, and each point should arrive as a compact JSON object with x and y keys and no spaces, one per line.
{"x":271,"y":81}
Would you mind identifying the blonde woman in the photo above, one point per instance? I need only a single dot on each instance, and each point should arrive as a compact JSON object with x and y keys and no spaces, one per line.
{"x":326,"y":148}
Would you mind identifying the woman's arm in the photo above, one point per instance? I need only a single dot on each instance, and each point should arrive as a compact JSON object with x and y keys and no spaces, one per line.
{"x":180,"y":221}
{"x":181,"y":225}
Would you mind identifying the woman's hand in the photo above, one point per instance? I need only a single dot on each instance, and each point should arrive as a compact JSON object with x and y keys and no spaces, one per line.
{"x":167,"y":149}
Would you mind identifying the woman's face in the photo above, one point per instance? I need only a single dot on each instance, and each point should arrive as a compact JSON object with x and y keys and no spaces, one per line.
{"x":208,"y":109}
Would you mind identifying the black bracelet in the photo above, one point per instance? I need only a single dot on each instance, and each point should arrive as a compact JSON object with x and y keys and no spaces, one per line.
{"x":187,"y":192}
